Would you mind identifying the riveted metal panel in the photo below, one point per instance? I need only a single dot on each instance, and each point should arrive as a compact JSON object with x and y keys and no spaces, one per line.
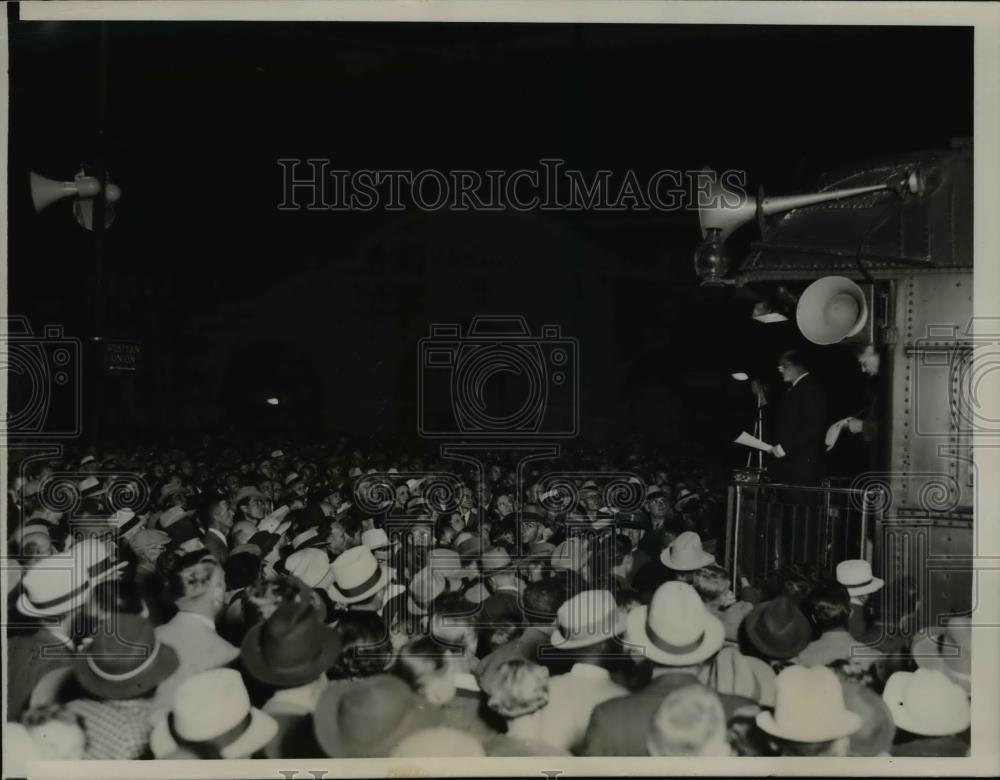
{"x":931,"y":453}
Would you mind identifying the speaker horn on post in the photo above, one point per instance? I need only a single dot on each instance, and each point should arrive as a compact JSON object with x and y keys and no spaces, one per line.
{"x":831,"y":310}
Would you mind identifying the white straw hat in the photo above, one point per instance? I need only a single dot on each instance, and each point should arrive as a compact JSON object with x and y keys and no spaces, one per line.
{"x":856,"y":576}
{"x":214,"y":706}
{"x":357,"y":576}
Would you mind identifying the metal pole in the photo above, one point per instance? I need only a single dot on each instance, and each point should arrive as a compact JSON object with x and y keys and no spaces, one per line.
{"x":99,"y":216}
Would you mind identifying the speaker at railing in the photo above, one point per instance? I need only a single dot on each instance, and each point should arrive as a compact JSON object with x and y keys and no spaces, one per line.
{"x":831,"y":310}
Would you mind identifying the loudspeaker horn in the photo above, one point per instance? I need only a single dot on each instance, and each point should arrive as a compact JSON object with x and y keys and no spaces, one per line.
{"x":45,"y":192}
{"x":831,"y":309}
{"x":729,"y":209}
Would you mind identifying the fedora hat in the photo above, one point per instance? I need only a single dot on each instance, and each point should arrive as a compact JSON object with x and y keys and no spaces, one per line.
{"x":685,"y":497}
{"x":570,"y":555}
{"x":425,"y":586}
{"x":586,"y":619}
{"x":174,"y":514}
{"x":376,"y":539}
{"x":654,"y":492}
{"x":685,"y":553}
{"x":357,"y":576}
{"x":127,"y":662}
{"x":949,"y":651}
{"x":439,"y":742}
{"x":291,"y":479}
{"x":877,"y":731}
{"x":675,"y":629}
{"x":927,"y":703}
{"x":778,"y":629}
{"x":809,"y":707}
{"x":213,"y":707}
{"x":448,"y":564}
{"x":245,"y":493}
{"x":856,"y":576}
{"x":310,"y":564}
{"x":736,"y":674}
{"x":126,"y":523}
{"x":496,"y":561}
{"x":291,"y":648}
{"x":61,"y":583}
{"x":368,"y":718}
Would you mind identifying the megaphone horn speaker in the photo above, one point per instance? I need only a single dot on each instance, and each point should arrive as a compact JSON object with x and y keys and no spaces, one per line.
{"x":45,"y":192}
{"x":831,"y":309}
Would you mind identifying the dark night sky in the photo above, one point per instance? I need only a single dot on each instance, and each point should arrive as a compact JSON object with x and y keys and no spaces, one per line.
{"x":198,"y":114}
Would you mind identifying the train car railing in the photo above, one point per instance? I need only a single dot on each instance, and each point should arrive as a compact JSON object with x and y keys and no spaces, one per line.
{"x":770,"y":526}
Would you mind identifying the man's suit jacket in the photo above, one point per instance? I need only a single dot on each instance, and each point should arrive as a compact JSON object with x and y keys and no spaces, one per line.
{"x":217,"y":546}
{"x":29,"y":658}
{"x":199,"y":648}
{"x":800,"y":429}
{"x":619,"y":727}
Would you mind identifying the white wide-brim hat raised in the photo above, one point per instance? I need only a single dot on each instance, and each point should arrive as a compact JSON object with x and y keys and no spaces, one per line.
{"x":927,"y":702}
{"x":357,"y":576}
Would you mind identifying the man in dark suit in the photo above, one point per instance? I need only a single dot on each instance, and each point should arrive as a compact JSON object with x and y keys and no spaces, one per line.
{"x":800,"y":426}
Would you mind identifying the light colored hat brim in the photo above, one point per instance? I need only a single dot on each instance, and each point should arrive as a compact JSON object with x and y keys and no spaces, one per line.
{"x":711,"y":641}
{"x":706,"y":559}
{"x":927,"y":653}
{"x":335,"y":593}
{"x":863,"y":590}
{"x":831,"y":726}
{"x":893,"y":695}
{"x":262,"y":729}
{"x":561,"y":642}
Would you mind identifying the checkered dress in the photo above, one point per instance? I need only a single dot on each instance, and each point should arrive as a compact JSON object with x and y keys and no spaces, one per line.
{"x":114,"y":729}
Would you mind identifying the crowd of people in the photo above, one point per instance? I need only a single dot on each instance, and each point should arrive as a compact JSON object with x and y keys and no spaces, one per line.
{"x":325,"y":601}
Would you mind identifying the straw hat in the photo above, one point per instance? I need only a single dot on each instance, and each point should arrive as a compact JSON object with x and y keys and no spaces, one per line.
{"x":310,"y":564}
{"x":214,"y":707}
{"x":61,"y":583}
{"x":675,"y":629}
{"x":809,"y":707}
{"x":357,"y":576}
{"x":685,"y":553}
{"x":856,"y":576}
{"x":927,"y":703}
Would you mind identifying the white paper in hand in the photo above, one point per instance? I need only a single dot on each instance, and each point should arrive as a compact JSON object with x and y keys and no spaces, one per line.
{"x":833,"y":433}
{"x":271,"y":523}
{"x":752,"y":441}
